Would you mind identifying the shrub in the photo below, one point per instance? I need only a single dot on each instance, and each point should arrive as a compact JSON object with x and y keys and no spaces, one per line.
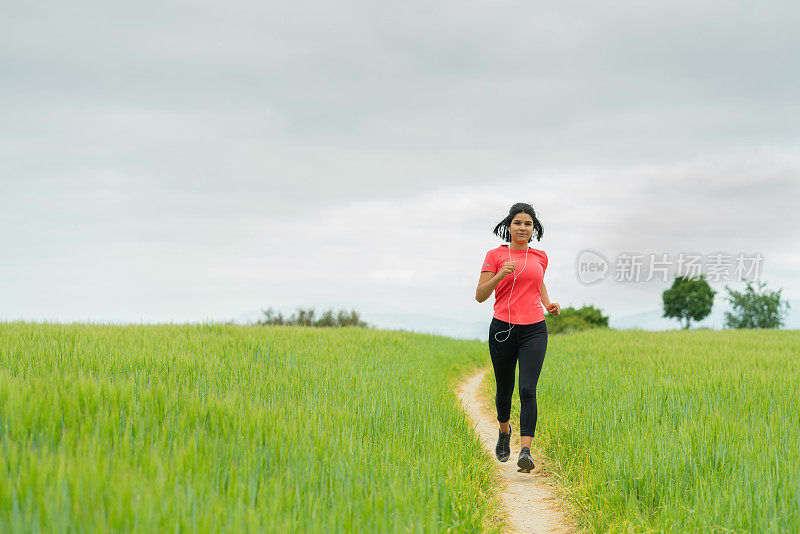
{"x":574,"y":319}
{"x":305,"y":317}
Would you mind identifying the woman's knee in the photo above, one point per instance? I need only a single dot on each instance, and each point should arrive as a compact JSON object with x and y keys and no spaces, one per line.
{"x":527,"y":391}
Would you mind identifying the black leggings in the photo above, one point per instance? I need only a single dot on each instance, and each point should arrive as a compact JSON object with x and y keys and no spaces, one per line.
{"x":527,"y":343}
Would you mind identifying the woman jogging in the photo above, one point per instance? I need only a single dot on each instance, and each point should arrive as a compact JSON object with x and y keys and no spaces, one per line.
{"x":518,"y":330}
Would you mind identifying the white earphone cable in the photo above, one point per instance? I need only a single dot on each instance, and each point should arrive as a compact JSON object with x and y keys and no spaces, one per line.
{"x":509,"y":295}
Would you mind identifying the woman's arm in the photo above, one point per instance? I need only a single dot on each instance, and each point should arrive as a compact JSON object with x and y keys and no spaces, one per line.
{"x":553,"y":308}
{"x":486,"y":284}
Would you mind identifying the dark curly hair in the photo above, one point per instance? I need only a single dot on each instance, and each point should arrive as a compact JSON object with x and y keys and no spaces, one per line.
{"x":501,"y":230}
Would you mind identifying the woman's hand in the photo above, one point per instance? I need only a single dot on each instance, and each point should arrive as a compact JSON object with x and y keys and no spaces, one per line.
{"x":507,"y":268}
{"x":554,"y":308}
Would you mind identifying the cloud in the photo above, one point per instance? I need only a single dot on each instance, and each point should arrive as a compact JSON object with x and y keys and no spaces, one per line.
{"x":168,"y":160}
{"x":423,"y":251}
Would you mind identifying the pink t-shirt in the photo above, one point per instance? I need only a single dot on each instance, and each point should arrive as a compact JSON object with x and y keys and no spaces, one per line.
{"x":526,"y":298}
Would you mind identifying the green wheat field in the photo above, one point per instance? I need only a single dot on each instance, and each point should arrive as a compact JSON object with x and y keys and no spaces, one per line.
{"x":209,"y":428}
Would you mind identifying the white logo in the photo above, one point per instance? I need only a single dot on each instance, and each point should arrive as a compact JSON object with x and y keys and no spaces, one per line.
{"x":591,"y":266}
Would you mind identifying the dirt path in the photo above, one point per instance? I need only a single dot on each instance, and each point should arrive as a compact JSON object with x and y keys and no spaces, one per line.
{"x":530,"y":503}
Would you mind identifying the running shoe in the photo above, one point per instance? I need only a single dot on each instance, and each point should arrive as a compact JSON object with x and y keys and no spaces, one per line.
{"x":525,"y":461}
{"x":503,"y":448}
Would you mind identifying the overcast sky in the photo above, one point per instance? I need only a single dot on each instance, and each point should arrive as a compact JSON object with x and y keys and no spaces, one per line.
{"x":196,"y":160}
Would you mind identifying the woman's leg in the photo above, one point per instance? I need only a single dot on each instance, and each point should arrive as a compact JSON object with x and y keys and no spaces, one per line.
{"x":504,"y":361}
{"x":532,"y":348}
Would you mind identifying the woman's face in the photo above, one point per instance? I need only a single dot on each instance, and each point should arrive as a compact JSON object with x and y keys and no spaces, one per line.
{"x":521,"y":228}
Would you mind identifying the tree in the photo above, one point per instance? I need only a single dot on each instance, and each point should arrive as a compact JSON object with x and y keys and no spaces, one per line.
{"x":571,"y":319}
{"x":689,"y":299}
{"x":270,"y":318}
{"x":305,"y":317}
{"x":755,"y":309}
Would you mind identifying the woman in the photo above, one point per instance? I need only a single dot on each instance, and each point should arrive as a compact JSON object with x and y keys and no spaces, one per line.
{"x":518,"y":330}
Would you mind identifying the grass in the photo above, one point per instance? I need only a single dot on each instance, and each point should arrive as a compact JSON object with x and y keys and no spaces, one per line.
{"x":673,"y":431}
{"x":229,"y":428}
